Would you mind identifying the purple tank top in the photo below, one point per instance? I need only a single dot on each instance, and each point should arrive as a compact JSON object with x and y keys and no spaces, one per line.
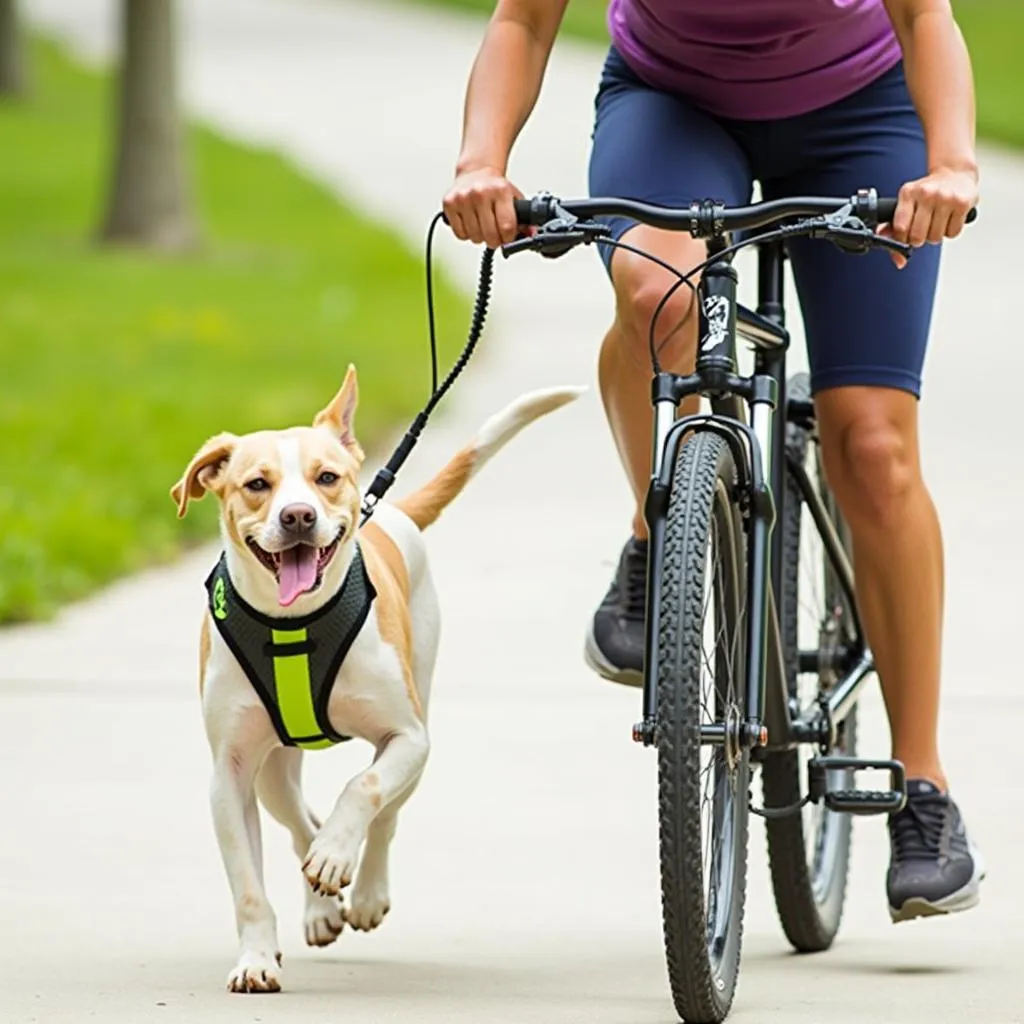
{"x":755,"y":59}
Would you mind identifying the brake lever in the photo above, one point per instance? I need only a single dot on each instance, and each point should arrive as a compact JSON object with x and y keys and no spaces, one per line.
{"x":905,"y":250}
{"x":858,"y":242}
{"x":549,"y":244}
{"x":557,"y":237}
{"x":519,"y":245}
{"x":849,"y":233}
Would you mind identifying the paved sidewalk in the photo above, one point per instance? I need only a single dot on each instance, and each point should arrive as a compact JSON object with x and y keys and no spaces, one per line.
{"x":525,"y":869}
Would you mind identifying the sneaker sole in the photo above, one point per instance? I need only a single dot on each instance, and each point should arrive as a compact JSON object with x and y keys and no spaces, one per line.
{"x":963,"y":899}
{"x":605,"y":669}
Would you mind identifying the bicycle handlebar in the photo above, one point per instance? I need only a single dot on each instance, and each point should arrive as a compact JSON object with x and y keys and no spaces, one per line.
{"x":708,"y":218}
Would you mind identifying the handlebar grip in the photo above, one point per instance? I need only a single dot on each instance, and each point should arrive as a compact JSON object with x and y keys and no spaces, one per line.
{"x":523,"y":210}
{"x":536,"y":211}
{"x":887,"y":210}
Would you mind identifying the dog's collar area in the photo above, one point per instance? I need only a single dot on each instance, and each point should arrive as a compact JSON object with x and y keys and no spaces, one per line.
{"x":292,"y":661}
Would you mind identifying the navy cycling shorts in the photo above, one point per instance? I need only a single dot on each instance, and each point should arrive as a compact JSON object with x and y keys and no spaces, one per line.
{"x":866,"y":322}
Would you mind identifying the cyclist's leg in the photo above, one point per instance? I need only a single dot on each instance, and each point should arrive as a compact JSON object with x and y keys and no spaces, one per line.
{"x":652,"y":146}
{"x":867,"y":326}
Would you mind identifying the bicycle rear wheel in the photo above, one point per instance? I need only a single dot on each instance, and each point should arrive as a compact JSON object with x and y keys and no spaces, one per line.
{"x":703,"y":790}
{"x":809,"y":851}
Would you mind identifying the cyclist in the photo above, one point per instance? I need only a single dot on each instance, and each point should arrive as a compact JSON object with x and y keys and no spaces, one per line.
{"x":698,"y":99}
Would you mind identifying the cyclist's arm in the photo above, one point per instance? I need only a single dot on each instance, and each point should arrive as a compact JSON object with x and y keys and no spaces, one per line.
{"x":505,"y":80}
{"x":940,"y":80}
{"x":503,"y":88}
{"x":939,"y":77}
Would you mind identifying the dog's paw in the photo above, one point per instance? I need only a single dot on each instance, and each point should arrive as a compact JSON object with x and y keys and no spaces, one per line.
{"x":367,"y":910}
{"x":256,"y":972}
{"x":324,"y":919}
{"x":331,"y":863}
{"x":370,"y":901}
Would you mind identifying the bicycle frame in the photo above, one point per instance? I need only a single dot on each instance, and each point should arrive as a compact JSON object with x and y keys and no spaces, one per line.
{"x":758,"y":445}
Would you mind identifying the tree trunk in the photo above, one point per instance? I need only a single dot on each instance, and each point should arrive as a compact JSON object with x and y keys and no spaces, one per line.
{"x":12,"y":52}
{"x":149,"y":203}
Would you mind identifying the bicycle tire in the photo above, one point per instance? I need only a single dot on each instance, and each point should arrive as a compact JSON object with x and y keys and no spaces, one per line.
{"x":809,"y":895}
{"x":703,"y":939}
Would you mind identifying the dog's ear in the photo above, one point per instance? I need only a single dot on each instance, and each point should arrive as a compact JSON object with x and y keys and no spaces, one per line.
{"x":202,"y":472}
{"x":339,"y":416}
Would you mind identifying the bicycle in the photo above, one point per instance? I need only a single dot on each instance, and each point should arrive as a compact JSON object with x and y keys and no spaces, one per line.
{"x":720,"y":482}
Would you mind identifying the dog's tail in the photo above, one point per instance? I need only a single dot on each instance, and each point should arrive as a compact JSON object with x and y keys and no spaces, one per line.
{"x":425,"y":505}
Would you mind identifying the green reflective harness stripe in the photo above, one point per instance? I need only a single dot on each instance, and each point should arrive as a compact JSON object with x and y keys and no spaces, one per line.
{"x":295,"y":690}
{"x":293,"y":662}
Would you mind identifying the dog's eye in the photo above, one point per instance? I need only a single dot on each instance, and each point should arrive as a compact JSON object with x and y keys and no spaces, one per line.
{"x":257,"y":484}
{"x":326,"y":478}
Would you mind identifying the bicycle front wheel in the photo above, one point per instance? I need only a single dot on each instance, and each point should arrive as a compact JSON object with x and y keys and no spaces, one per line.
{"x":703,"y":789}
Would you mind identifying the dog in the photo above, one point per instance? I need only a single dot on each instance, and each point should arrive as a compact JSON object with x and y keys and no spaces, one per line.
{"x":318,"y":630}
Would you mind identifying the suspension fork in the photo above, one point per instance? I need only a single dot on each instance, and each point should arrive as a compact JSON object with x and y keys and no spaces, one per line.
{"x":715,"y":376}
{"x":664,"y":393}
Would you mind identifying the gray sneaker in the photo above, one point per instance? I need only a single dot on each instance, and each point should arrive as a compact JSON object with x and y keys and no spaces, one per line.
{"x":935,"y":869}
{"x":615,"y":641}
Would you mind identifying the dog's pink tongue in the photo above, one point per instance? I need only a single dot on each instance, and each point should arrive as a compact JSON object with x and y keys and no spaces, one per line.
{"x":297,"y":574}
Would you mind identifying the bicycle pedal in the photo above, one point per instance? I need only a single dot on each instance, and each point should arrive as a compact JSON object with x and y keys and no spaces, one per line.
{"x":847,"y":800}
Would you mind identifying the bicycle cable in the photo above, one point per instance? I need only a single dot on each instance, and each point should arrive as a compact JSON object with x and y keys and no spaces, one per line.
{"x":689,"y":275}
{"x":665,"y":265}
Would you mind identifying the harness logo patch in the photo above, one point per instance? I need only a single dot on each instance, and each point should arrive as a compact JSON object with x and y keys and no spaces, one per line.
{"x":220,"y":605}
{"x":716,"y":312}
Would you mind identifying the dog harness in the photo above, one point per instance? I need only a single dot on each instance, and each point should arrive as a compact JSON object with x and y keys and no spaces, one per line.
{"x":293,"y":662}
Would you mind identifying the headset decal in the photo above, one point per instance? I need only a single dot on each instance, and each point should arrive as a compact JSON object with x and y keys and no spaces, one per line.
{"x":716,"y":312}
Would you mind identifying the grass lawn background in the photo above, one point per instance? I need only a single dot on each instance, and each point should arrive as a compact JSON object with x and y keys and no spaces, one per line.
{"x":994,"y":30}
{"x":115,"y":366}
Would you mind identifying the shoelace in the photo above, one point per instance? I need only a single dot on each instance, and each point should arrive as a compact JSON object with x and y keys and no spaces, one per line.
{"x":635,"y":584}
{"x":917,"y":829}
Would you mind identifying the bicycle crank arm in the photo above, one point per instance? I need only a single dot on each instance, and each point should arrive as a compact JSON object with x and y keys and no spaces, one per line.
{"x":856,"y":801}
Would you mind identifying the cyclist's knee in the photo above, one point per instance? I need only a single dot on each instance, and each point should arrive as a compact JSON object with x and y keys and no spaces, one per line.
{"x":872,"y":467}
{"x":640,"y":286}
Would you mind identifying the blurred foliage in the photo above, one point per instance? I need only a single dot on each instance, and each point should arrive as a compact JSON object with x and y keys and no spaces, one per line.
{"x":115,"y":366}
{"x":994,"y":30}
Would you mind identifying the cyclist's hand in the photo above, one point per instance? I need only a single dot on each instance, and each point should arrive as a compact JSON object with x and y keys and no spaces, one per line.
{"x":933,"y":208}
{"x":479,"y":207}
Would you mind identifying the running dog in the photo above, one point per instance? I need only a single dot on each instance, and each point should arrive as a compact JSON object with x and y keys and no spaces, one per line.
{"x":318,"y":631}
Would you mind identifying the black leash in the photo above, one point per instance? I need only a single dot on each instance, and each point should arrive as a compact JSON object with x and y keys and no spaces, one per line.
{"x":386,"y":476}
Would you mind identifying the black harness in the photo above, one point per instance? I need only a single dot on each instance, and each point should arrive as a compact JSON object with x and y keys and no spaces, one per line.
{"x":293,"y":662}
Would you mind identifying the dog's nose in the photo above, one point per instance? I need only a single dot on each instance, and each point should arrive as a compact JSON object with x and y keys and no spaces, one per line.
{"x":298,"y":518}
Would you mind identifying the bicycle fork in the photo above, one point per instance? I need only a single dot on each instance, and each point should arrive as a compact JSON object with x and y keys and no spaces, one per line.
{"x":715,"y":377}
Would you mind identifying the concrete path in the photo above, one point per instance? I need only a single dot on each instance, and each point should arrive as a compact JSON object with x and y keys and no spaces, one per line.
{"x":525,"y":870}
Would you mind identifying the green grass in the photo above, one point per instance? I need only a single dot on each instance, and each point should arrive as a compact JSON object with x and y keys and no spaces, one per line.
{"x":994,"y":30}
{"x":584,"y":19}
{"x":115,"y":366}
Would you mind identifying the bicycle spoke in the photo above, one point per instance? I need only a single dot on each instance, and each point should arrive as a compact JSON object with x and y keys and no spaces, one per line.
{"x":718,"y":656}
